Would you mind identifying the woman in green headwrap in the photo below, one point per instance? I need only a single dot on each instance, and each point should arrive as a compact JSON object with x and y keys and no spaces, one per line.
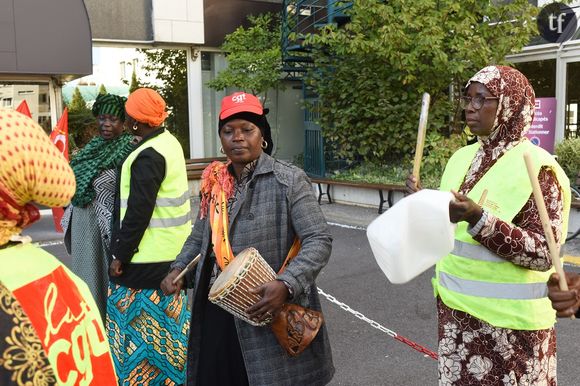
{"x":87,"y":221}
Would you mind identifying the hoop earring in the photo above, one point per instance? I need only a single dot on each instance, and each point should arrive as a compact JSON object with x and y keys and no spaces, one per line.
{"x":222,"y":150}
{"x":264,"y":144}
{"x":135,"y":127}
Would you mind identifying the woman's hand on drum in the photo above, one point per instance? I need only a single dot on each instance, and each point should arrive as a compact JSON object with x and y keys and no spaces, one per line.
{"x":167,"y":285}
{"x":412,"y":185}
{"x":273,"y":296}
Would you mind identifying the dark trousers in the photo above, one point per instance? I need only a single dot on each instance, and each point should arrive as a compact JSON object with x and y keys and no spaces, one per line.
{"x":220,"y":362}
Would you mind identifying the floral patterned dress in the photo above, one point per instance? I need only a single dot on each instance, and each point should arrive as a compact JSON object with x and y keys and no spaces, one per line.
{"x":471,"y":351}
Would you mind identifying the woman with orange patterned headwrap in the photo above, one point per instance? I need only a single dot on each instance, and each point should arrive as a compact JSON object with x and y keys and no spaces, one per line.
{"x":47,"y":314}
{"x":147,"y":329}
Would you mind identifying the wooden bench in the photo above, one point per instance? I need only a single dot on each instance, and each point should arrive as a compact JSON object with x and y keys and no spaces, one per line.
{"x":196,"y":166}
{"x":390,"y":188}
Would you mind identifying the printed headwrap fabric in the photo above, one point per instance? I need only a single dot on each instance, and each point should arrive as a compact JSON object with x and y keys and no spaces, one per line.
{"x":147,"y":106}
{"x":109,"y":104}
{"x":31,"y":169}
{"x":513,"y":119}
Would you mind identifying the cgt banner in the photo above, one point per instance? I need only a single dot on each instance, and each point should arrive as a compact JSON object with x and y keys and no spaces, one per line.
{"x":542,"y":131}
{"x":63,"y":314}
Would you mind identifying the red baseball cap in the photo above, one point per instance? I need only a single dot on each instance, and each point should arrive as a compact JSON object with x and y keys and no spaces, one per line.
{"x":240,"y":102}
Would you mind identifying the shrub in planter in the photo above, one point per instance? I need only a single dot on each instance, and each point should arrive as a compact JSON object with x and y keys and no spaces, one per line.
{"x":568,"y":152}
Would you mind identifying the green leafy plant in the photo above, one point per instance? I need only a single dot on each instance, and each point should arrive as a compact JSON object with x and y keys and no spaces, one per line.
{"x":438,"y":150}
{"x":82,"y":125}
{"x":254,"y":57}
{"x":568,"y":152}
{"x":370,"y":73}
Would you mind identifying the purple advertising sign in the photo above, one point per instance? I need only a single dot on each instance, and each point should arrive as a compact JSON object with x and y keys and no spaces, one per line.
{"x":543,"y":127}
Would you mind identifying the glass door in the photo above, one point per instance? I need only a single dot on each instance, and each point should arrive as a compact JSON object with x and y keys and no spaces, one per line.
{"x":572,"y":100}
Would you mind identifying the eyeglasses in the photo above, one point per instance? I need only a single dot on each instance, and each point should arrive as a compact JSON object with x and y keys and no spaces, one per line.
{"x":476,"y":101}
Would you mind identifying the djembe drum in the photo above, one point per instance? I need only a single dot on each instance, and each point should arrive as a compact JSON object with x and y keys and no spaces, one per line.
{"x":231,"y":290}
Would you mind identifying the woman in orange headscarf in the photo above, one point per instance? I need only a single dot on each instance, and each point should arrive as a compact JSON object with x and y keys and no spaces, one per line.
{"x":148,"y":330}
{"x":47,"y":314}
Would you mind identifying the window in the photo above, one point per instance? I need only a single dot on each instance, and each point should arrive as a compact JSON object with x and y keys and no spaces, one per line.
{"x":542,"y":76}
{"x":7,"y":102}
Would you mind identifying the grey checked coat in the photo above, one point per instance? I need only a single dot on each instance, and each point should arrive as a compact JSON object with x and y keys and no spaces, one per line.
{"x":279,"y":204}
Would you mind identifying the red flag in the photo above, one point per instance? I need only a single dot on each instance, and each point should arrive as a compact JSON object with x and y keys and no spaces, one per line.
{"x":23,"y":108}
{"x":59,"y":136}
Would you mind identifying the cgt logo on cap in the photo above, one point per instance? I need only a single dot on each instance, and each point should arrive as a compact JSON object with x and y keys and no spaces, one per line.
{"x":239,"y":98}
{"x":557,"y":22}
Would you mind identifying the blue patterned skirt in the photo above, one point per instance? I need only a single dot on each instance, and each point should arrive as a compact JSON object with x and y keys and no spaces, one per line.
{"x":148,"y":334}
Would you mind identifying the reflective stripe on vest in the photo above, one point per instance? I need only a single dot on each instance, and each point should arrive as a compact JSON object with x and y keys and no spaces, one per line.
{"x":170,"y":223}
{"x":475,"y":252}
{"x":475,"y":280}
{"x":484,"y":289}
{"x":165,"y":201}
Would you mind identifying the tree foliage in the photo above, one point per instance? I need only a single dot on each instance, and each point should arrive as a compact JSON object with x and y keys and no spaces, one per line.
{"x":102,"y":89}
{"x":253,"y":55}
{"x":82,"y":125}
{"x":170,"y":67}
{"x":134,"y":82}
{"x":370,"y":73}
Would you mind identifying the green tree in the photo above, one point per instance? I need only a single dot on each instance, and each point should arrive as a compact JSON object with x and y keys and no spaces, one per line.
{"x":77,"y":102}
{"x":102,"y":90}
{"x":254,"y":57}
{"x":370,"y":73}
{"x":170,"y":67}
{"x":82,"y":125}
{"x":134,"y":82}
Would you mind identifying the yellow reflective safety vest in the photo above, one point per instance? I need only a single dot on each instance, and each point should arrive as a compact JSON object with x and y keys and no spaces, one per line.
{"x":170,"y":223}
{"x":477,"y":281}
{"x":63,"y":314}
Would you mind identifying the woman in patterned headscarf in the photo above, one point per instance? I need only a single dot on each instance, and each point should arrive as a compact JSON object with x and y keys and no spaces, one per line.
{"x":496,"y":324}
{"x":87,"y":221}
{"x":44,"y":308}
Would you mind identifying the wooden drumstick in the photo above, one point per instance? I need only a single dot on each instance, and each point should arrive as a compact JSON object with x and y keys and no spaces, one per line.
{"x":189,"y":266}
{"x":421,"y":135}
{"x":482,"y":198}
{"x":539,"y":199}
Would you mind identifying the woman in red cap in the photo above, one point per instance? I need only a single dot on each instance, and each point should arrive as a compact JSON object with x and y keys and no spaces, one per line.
{"x":269,"y":206}
{"x":148,"y":330}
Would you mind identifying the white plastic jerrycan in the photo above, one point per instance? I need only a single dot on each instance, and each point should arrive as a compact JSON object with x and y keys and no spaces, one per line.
{"x":413,"y":235}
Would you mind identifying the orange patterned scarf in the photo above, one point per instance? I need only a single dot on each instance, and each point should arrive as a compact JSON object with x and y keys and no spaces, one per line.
{"x":217,"y":186}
